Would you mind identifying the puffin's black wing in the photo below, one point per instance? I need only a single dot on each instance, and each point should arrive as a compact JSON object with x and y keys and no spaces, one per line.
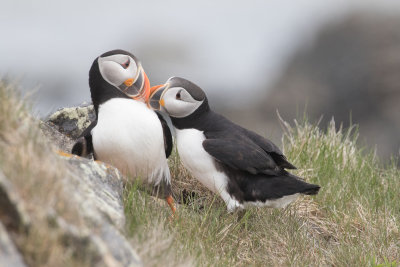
{"x":167,"y":135}
{"x":241,"y":154}
{"x":84,"y":146}
{"x":271,"y":149}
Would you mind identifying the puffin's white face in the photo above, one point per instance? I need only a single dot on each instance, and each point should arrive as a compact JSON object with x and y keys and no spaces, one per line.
{"x":178,"y":97}
{"x":123,"y":72}
{"x":178,"y":103}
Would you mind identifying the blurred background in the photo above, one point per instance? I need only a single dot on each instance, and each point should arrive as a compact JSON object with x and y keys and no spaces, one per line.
{"x":328,"y":57}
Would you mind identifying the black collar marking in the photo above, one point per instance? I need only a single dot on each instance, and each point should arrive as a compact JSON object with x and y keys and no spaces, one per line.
{"x":167,"y":135}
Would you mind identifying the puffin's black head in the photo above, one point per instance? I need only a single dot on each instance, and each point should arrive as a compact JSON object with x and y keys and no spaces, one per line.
{"x":179,"y":98}
{"x":117,"y":73}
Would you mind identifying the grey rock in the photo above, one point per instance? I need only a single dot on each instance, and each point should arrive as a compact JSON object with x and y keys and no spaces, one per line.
{"x":9,"y":256}
{"x":72,"y":121}
{"x":98,"y":190}
{"x":89,"y":244}
{"x":60,"y":140}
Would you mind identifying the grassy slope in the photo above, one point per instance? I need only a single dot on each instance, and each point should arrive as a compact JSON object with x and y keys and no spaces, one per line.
{"x":354,"y":221}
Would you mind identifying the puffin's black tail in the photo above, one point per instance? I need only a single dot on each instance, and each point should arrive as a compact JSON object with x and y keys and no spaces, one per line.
{"x":305,"y":188}
{"x":269,"y":187}
{"x":83,"y":147}
{"x":312,"y":191}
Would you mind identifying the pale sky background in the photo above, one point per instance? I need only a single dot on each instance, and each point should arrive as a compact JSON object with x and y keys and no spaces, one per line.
{"x":226,"y":47}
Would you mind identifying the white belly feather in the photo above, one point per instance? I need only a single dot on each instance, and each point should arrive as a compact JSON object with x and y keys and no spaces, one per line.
{"x":129,"y":136}
{"x":201,"y":164}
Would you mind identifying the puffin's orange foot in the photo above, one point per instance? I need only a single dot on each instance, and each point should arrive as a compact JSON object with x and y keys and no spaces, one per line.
{"x":65,"y":154}
{"x":171,"y":204}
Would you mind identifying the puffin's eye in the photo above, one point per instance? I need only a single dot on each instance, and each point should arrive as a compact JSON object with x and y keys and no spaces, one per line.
{"x":178,"y":95}
{"x":126,"y":64}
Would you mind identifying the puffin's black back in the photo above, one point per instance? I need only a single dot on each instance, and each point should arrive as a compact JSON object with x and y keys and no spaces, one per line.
{"x":255,"y":166}
{"x":233,"y":144}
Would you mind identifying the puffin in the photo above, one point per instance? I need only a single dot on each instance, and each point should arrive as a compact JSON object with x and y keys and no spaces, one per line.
{"x":127,"y":134}
{"x":242,"y":167}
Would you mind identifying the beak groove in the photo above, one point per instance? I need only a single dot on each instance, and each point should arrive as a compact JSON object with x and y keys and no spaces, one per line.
{"x":137,"y":88}
{"x":144,"y":93}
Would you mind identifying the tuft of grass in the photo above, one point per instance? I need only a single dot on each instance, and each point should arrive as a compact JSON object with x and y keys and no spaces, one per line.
{"x":353,"y":221}
{"x":29,"y":163}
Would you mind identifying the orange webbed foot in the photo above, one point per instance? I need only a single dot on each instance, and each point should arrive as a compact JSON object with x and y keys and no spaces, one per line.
{"x":171,"y":204}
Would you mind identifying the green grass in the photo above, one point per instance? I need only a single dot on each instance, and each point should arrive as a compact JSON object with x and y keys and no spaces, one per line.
{"x":353,"y":221}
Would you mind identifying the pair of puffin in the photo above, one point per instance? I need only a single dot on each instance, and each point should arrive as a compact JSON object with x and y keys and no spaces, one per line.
{"x":241,"y":166}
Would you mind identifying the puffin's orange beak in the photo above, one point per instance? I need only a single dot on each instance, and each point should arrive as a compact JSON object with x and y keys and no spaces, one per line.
{"x":154,"y":88}
{"x":145,"y":91}
{"x":156,"y":93}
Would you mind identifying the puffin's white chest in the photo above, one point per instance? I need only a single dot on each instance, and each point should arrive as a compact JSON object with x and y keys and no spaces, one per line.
{"x":198,"y":161}
{"x":129,"y":136}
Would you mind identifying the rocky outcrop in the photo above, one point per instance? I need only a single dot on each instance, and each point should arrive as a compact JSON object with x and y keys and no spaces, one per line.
{"x":95,"y":234}
{"x":67,"y":124}
{"x":72,"y":121}
{"x":97,"y":189}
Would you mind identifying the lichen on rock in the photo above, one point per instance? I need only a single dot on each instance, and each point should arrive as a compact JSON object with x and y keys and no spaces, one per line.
{"x":74,"y":120}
